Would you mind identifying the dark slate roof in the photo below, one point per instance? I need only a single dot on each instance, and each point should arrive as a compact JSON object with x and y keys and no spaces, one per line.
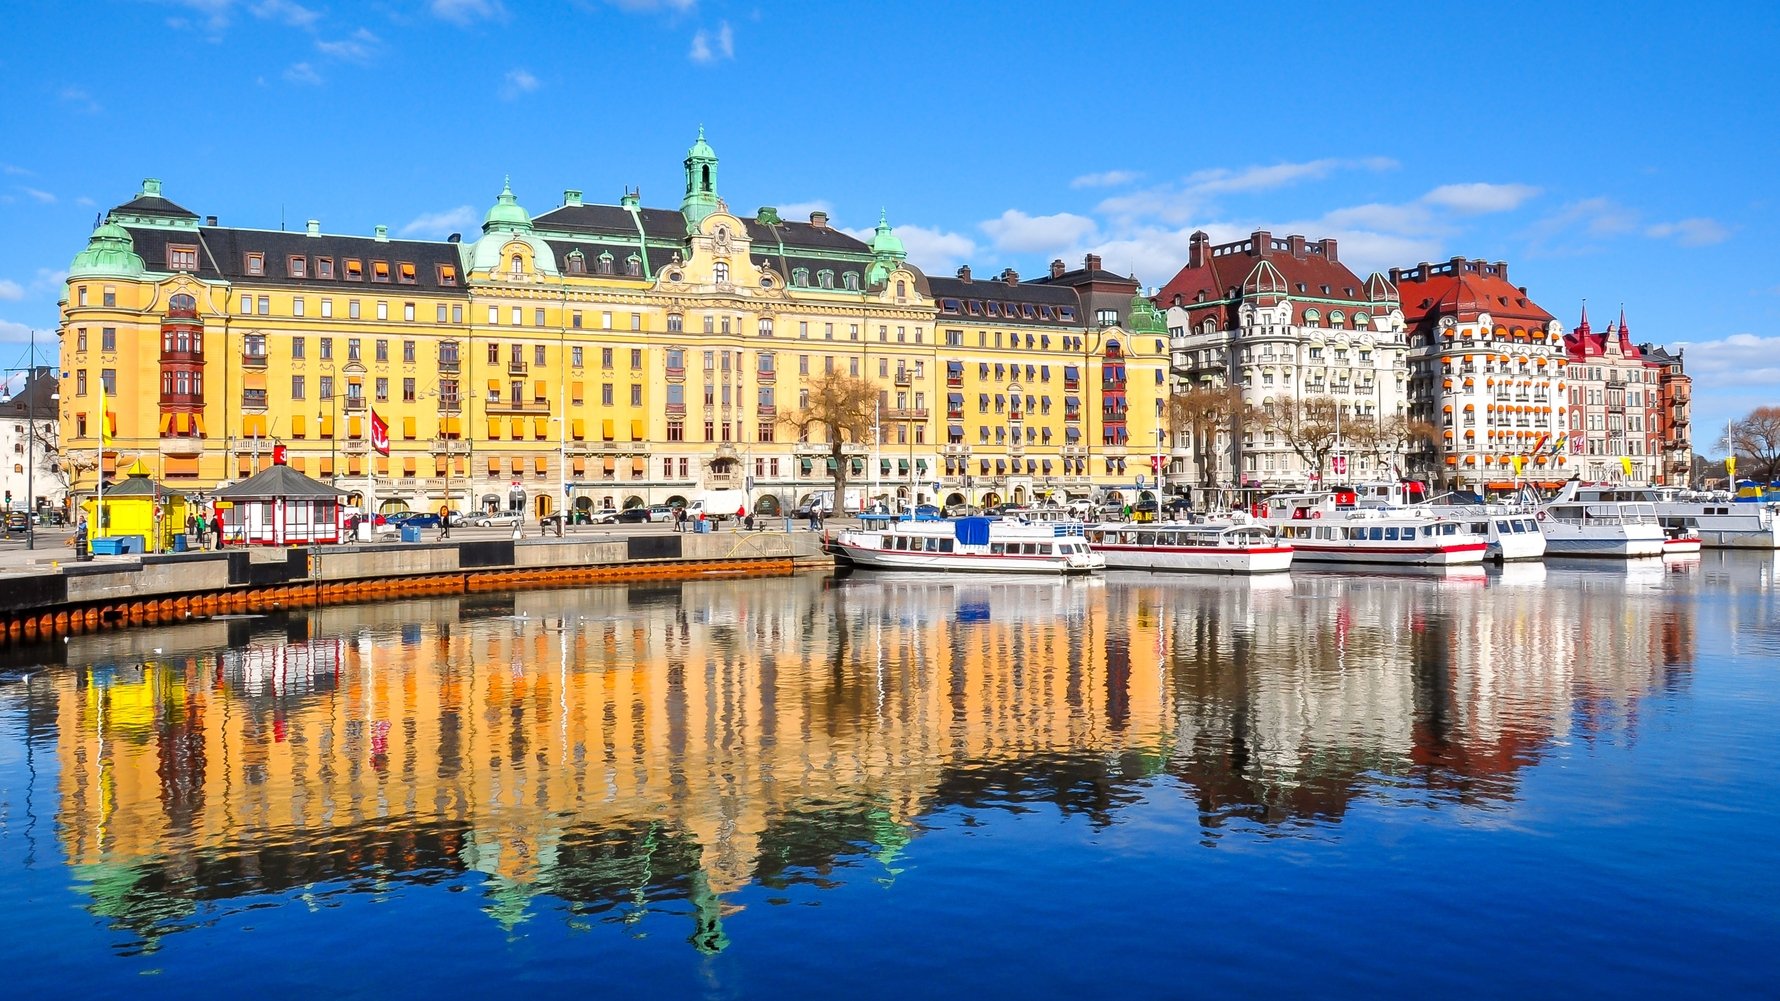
{"x":1083,"y":276}
{"x":658,"y":224}
{"x":222,"y":254}
{"x":804,"y":236}
{"x":954,"y":295}
{"x":155,"y":205}
{"x":279,"y":481}
{"x":135,"y":486}
{"x":34,"y":397}
{"x":654,"y":257}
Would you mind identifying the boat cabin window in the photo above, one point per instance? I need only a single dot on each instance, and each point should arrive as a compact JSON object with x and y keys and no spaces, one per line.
{"x":997,"y":548}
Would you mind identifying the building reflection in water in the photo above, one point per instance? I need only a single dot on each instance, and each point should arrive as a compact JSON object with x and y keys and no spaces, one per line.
{"x":623,"y":751}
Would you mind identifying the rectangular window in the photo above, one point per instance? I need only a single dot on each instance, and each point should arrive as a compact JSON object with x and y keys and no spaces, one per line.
{"x":265,"y":306}
{"x":407,"y":390}
{"x":352,"y":309}
{"x":296,"y":387}
{"x":408,"y":352}
{"x":405,"y":272}
{"x":324,"y":267}
{"x":80,"y":383}
{"x":256,"y":264}
{"x":494,"y":315}
{"x":108,"y":339}
{"x":382,"y":310}
{"x":408,"y":312}
{"x":636,"y":394}
{"x":457,"y":314}
{"x":516,"y":316}
{"x":538,"y":317}
{"x":327,"y":347}
{"x":296,"y":306}
{"x":538,"y":355}
{"x":636,"y":321}
{"x":380,"y":271}
{"x":352,"y":352}
{"x":383,"y":350}
{"x":326,"y":385}
{"x":327,"y":308}
{"x":636,"y":359}
{"x":355,"y":270}
{"x":382,"y":390}
{"x":575,"y":319}
{"x":605,"y":321}
{"x":297,"y":347}
{"x":297,"y":267}
{"x":184,"y":258}
{"x":606,"y":394}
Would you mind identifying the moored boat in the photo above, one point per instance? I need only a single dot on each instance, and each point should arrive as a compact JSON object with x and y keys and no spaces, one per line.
{"x":968,"y":545}
{"x":1190,"y":548}
{"x":1600,"y":520}
{"x":1320,"y":527}
{"x":1511,"y":533}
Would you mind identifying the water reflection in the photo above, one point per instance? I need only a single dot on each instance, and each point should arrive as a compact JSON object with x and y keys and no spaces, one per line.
{"x":616,"y":752}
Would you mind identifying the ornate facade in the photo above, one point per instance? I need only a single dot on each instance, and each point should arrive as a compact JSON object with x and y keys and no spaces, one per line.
{"x":599,"y":355}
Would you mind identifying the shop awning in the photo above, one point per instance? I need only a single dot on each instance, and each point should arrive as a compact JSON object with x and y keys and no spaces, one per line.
{"x":636,"y":430}
{"x":408,"y":428}
{"x":606,"y":430}
{"x":578,"y":428}
{"x":541,"y":463}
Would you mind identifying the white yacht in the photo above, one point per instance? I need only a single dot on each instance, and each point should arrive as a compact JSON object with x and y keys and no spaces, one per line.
{"x":1190,"y":548}
{"x":967,"y":544}
{"x":1600,"y":520}
{"x":1326,"y":527}
{"x":1719,"y":521}
{"x":1511,"y":532}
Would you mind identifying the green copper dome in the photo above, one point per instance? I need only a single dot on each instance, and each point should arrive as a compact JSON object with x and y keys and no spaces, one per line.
{"x":701,"y":150}
{"x":885,"y":243}
{"x":1145,"y":317}
{"x":507,"y":214}
{"x":110,"y":253}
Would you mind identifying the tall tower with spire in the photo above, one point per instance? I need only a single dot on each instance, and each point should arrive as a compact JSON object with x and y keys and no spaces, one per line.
{"x":701,"y":182}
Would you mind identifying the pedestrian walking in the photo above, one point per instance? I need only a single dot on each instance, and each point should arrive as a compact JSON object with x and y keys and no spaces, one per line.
{"x":444,"y":525}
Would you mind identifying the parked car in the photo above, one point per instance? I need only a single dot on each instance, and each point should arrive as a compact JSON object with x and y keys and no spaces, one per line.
{"x":927,"y":512}
{"x":502,"y":519}
{"x":420,"y":519}
{"x":17,"y":521}
{"x":662,"y":512}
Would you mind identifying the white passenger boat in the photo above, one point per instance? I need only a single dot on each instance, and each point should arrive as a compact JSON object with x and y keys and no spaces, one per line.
{"x":1188,"y":548}
{"x":967,"y":544}
{"x":1600,"y":520}
{"x":1718,"y":520}
{"x":1512,"y":533}
{"x":1320,"y":528}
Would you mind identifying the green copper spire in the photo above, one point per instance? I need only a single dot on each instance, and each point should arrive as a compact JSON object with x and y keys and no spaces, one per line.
{"x":1145,"y":317}
{"x":110,"y":253}
{"x":886,"y":251}
{"x":507,"y":214}
{"x":701,"y":182}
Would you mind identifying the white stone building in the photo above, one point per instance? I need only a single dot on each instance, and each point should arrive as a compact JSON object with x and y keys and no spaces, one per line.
{"x":26,"y":396}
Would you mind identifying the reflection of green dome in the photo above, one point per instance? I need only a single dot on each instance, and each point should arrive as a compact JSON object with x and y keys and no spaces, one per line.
{"x":1145,"y":317}
{"x":506,"y":213}
{"x":885,"y":243}
{"x":109,"y":253}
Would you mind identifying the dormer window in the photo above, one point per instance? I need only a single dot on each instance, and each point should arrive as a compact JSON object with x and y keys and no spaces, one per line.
{"x":405,"y":272}
{"x":800,"y":276}
{"x":633,"y":266}
{"x":605,"y":262}
{"x":355,"y":271}
{"x":380,"y":271}
{"x":182,"y":258}
{"x":576,"y":263}
{"x":1301,"y":286}
{"x":850,"y":281}
{"x":256,"y":264}
{"x":324,"y":267}
{"x":825,"y":278}
{"x":720,"y":272}
{"x":297,"y":267}
{"x":448,"y":274}
{"x":516,"y":266}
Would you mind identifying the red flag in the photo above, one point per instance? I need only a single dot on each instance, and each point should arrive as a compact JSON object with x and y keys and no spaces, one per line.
{"x":379,"y":434}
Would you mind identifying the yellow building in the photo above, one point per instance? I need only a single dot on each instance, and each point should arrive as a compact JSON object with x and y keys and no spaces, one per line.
{"x":611,"y":355}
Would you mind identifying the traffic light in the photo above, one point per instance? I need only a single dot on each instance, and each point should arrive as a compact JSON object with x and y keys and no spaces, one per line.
{"x":8,"y":498}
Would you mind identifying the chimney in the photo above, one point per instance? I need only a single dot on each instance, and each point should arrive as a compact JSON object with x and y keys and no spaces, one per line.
{"x":631,"y":199}
{"x":1396,"y":276}
{"x":1091,"y":262}
{"x":455,"y":238}
{"x":1057,"y":268}
{"x":209,"y":220}
{"x":1296,"y":242}
{"x":964,"y":272}
{"x":1196,"y":249}
{"x":381,"y":234}
{"x":1010,"y":276}
{"x":819,"y":219}
{"x":1329,"y":250}
{"x":1260,"y":242}
{"x":1502,"y":270}
{"x":571,"y":198}
{"x":313,"y":228}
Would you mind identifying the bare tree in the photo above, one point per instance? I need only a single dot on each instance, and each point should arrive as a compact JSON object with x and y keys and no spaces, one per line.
{"x":1203,"y":411}
{"x":1755,"y":439}
{"x":1307,"y":425}
{"x":845,"y":408}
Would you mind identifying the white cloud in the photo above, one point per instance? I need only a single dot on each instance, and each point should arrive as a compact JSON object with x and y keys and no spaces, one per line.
{"x":517,"y":82}
{"x":934,"y":251}
{"x":437,"y":224}
{"x":359,"y":47}
{"x":1737,"y":360}
{"x":648,"y":6}
{"x":1105,"y":179}
{"x":1573,"y":228}
{"x":464,"y":12}
{"x":10,"y":331}
{"x":1195,"y":194}
{"x":800,"y":211}
{"x":85,"y":202}
{"x":1016,"y":232}
{"x":11,"y":290}
{"x":1479,"y":197}
{"x":302,"y":74}
{"x":709,"y":48}
{"x":49,"y":278}
{"x":40,"y":196}
{"x":13,"y":171}
{"x":1695,"y":232}
{"x":294,"y":14}
{"x":80,"y":100}
{"x":215,"y":15}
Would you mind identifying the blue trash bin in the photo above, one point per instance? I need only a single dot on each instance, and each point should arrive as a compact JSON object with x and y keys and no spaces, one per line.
{"x":179,"y":542}
{"x":410,"y":533}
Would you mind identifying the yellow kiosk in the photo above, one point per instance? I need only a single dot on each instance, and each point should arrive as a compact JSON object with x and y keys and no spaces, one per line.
{"x":139,"y":516}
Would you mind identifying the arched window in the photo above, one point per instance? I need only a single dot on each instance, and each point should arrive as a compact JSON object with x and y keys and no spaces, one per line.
{"x":577,"y":263}
{"x":901,"y":289}
{"x":800,"y":276}
{"x":850,"y":281}
{"x":825,"y":278}
{"x":605,"y":260}
{"x":633,"y":266}
{"x":183,"y":304}
{"x":517,"y":265}
{"x":720,"y":272}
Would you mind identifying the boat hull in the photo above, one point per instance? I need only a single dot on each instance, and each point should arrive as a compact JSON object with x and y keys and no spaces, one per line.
{"x":868,"y":558}
{"x":1459,"y":554}
{"x":1198,"y":559}
{"x":1609,"y":547}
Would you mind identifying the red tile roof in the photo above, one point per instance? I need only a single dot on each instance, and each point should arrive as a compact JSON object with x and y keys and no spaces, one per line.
{"x":1464,"y":290}
{"x":1219,"y":272}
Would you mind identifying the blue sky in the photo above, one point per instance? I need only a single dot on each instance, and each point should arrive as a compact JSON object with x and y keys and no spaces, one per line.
{"x":1621,"y":154}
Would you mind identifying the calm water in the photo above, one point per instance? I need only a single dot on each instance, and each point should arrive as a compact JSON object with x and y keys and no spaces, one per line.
{"x":1542,"y":780}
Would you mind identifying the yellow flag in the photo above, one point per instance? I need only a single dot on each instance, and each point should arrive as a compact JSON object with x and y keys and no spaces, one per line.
{"x":104,"y":417}
{"x":1516,"y":461}
{"x":1730,"y":466}
{"x":1625,"y":462}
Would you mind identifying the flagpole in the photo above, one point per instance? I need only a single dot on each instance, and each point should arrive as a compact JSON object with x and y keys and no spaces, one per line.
{"x":99,"y":470}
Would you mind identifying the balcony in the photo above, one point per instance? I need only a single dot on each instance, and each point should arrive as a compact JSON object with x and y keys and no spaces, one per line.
{"x":903,"y":378}
{"x":507,"y":406}
{"x":253,"y":399}
{"x":911,"y":414}
{"x":766,"y":410}
{"x":955,"y":381}
{"x":448,"y":364}
{"x":450,"y":405}
{"x":353,"y":404}
{"x":253,"y":359}
{"x":517,"y":368}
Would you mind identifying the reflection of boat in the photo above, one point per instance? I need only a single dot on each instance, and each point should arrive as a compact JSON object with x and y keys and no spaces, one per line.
{"x":1527,"y":574}
{"x":985,"y":597}
{"x":1232,"y":549}
{"x":1680,"y":542}
{"x":967,"y":544}
{"x":1600,"y":521}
